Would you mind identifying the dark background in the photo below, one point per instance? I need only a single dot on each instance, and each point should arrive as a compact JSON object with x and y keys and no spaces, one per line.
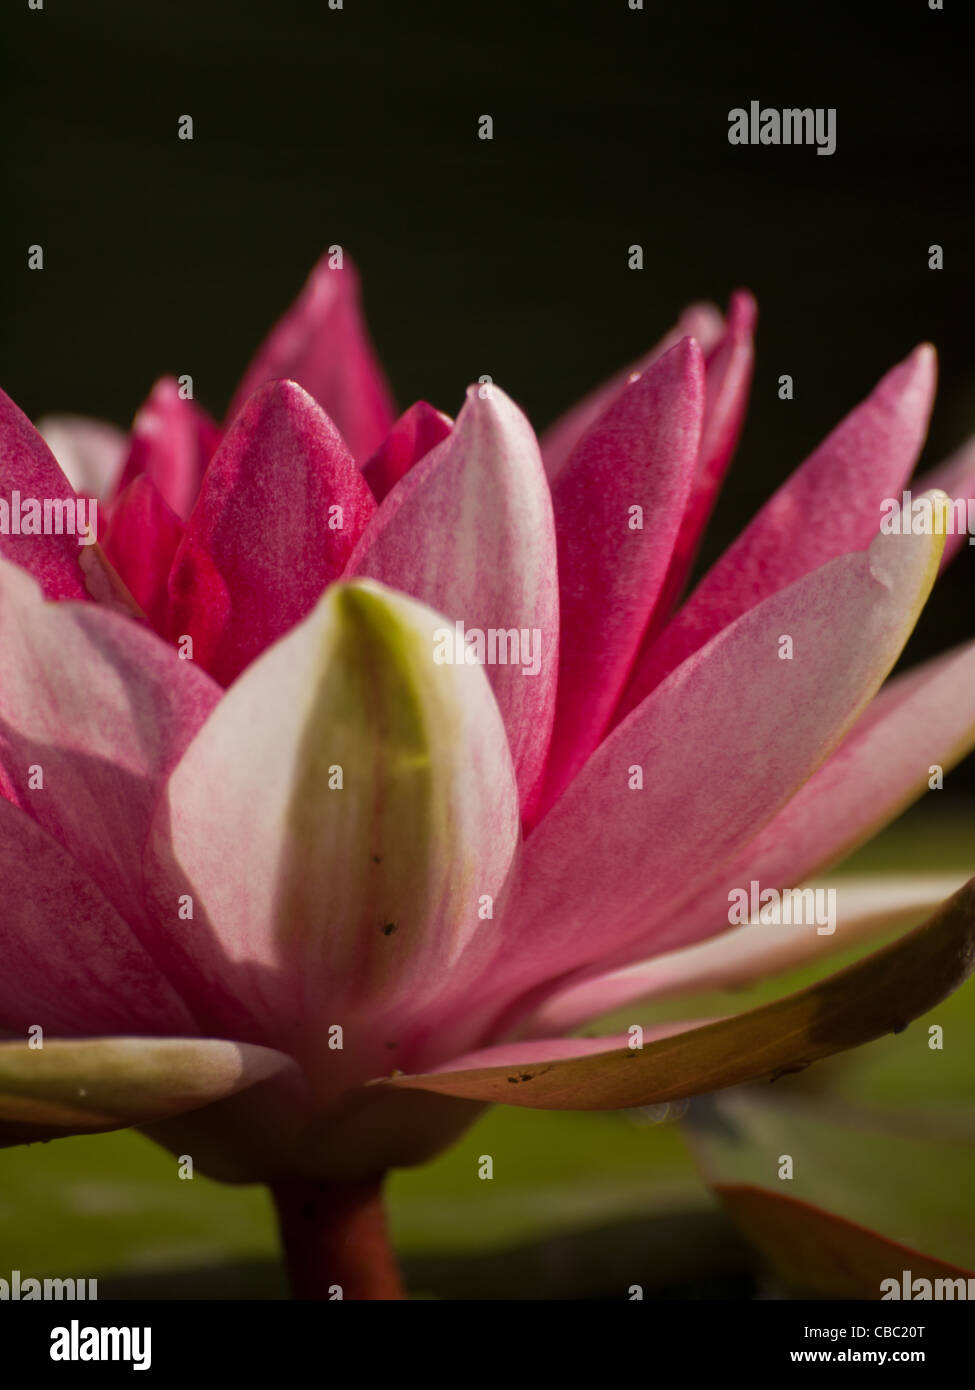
{"x":358,"y":127}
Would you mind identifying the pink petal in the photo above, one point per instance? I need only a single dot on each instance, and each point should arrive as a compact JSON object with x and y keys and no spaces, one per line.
{"x":470,"y":532}
{"x":412,"y":437}
{"x":722,"y":745}
{"x":70,"y":963}
{"x":104,"y":709}
{"x":28,"y":470}
{"x":742,"y":956}
{"x":640,"y":453}
{"x":90,"y":453}
{"x":956,"y":477}
{"x":280,"y":510}
{"x":702,"y":322}
{"x":923,"y":718}
{"x":867,"y":457}
{"x":539,"y":1050}
{"x":172,"y":442}
{"x":729,"y":376}
{"x":141,"y":542}
{"x":321,"y":342}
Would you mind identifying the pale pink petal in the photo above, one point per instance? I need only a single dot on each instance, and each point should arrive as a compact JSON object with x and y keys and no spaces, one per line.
{"x":720,"y":748}
{"x":322,"y":343}
{"x":172,"y":442}
{"x":94,"y":712}
{"x":741,"y":956}
{"x":70,"y":963}
{"x":412,"y":437}
{"x":923,"y":719}
{"x":636,"y":463}
{"x":141,"y":542}
{"x":90,"y":452}
{"x":828,"y":507}
{"x":701,"y":321}
{"x":280,"y":510}
{"x":469,"y":531}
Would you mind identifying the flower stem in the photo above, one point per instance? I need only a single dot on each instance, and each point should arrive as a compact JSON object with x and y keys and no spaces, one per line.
{"x":335,"y":1237}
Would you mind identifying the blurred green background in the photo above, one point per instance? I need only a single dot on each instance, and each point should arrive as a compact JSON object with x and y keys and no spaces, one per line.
{"x":358,"y":126}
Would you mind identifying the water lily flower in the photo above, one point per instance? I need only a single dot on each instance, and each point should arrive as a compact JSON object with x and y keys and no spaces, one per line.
{"x":297,"y":897}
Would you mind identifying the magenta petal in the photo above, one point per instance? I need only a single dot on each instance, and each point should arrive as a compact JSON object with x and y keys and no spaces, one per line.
{"x":28,"y":470}
{"x":280,"y":510}
{"x":640,"y":454}
{"x":469,"y":531}
{"x":412,"y":437}
{"x":141,"y":542}
{"x":703,"y":322}
{"x":728,"y":377}
{"x":830,"y":506}
{"x":70,"y":963}
{"x":172,"y":442}
{"x":321,"y":342}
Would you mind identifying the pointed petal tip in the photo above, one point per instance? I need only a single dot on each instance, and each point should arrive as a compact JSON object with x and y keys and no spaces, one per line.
{"x":742,"y":312}
{"x":491,"y":404}
{"x":283,"y":393}
{"x":686,"y":356}
{"x":919,"y":369}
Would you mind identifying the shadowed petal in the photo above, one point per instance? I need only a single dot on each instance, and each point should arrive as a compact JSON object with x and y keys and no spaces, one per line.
{"x":880,"y":1186}
{"x":823,"y":1255}
{"x":70,"y":963}
{"x":321,"y":342}
{"x":141,"y":542}
{"x":412,"y":437}
{"x":87,"y":1085}
{"x":279,"y":512}
{"x":100,"y":709}
{"x":469,"y":531}
{"x":828,"y":507}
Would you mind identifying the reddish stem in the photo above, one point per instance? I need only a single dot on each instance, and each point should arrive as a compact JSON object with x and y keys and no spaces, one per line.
{"x":334,"y":1234}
